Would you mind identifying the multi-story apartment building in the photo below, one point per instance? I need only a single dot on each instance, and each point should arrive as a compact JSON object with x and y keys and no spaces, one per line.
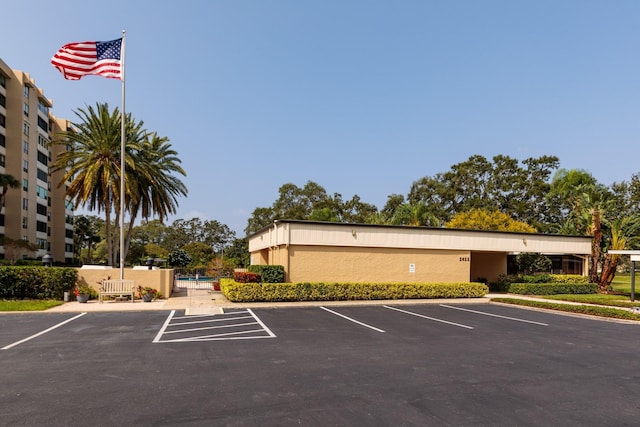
{"x":39,"y":210}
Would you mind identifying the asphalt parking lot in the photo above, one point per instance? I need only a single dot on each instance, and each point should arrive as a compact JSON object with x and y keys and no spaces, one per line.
{"x":441,"y":365}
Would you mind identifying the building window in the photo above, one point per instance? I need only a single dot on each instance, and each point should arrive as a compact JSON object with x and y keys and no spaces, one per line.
{"x":25,"y":204}
{"x":42,"y":141}
{"x":3,"y":80}
{"x":41,"y":192}
{"x":42,"y":175}
{"x":25,"y":109}
{"x":43,"y":108}
{"x":3,"y":120}
{"x":42,"y":158}
{"x":25,"y":129}
{"x":25,"y":184}
{"x":2,"y":221}
{"x":42,"y":243}
{"x":42,"y":124}
{"x":2,"y":160}
{"x":25,"y":147}
{"x":25,"y":165}
{"x":3,"y":140}
{"x":41,"y":209}
{"x":41,"y":226}
{"x":3,"y":100}
{"x":26,"y":91}
{"x":68,"y":234}
{"x":24,"y":222}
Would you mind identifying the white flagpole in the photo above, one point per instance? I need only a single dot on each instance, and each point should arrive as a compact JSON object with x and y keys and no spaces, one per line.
{"x":122,"y":160}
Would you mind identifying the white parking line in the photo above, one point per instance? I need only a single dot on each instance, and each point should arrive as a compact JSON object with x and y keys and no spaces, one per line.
{"x":221,"y":337}
{"x":7,"y":347}
{"x":214,"y":324}
{"x":430,"y":318}
{"x":161,"y":331}
{"x":515,"y":319}
{"x":352,"y":320}
{"x":271,"y":334}
{"x":207,"y":328}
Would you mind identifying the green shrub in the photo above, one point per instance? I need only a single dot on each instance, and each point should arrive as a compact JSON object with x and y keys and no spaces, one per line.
{"x":553,"y":288}
{"x":505,"y":281}
{"x":269,"y":273}
{"x":305,"y":291}
{"x":17,"y":282}
{"x":569,"y":278}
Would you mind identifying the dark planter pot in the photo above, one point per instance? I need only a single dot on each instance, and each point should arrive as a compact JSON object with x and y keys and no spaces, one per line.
{"x":83,"y":298}
{"x":147,"y":297}
{"x":216,"y":286}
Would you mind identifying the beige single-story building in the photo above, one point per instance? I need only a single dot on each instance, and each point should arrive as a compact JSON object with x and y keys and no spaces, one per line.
{"x":328,"y":251}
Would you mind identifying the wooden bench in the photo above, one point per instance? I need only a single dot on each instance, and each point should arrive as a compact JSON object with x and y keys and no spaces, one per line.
{"x":116,"y":287}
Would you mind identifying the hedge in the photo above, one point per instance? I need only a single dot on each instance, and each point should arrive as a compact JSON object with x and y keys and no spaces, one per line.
{"x":305,"y":291}
{"x":505,"y":282}
{"x":553,"y":288}
{"x":269,"y":273}
{"x":26,"y":282}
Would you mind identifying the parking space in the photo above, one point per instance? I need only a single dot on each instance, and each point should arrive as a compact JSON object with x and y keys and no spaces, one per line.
{"x":337,"y":365}
{"x":232,"y":325}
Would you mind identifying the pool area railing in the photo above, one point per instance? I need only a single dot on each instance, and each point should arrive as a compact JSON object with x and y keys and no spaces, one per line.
{"x":194,"y":283}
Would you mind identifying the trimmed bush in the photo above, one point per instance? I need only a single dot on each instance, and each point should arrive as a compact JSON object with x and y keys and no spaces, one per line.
{"x":246,"y":277}
{"x":504,"y":282}
{"x":305,"y":291}
{"x":36,"y":282}
{"x":269,"y":273}
{"x":553,"y":288}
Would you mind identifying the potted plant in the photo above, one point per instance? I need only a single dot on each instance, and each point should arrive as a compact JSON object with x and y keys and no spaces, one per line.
{"x":147,"y":293}
{"x":82,"y":292}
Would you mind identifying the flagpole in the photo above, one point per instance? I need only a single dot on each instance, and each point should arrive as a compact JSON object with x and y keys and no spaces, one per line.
{"x":122,"y":159}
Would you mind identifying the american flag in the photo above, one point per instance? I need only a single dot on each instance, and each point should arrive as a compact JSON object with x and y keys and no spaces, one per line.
{"x":75,"y":60}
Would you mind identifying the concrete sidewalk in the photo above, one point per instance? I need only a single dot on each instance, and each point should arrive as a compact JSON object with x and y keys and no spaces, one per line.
{"x":193,"y":301}
{"x":202,"y":301}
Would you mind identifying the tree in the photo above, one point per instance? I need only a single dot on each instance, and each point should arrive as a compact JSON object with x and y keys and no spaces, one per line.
{"x":15,"y":249}
{"x":200,"y":253}
{"x":6,"y":182}
{"x":238,"y":252}
{"x":480,"y":219}
{"x":415,"y":215}
{"x":530,"y":263}
{"x":179,"y":258}
{"x":503,"y":185}
{"x":92,"y":169}
{"x":86,"y":234}
{"x":310,"y":202}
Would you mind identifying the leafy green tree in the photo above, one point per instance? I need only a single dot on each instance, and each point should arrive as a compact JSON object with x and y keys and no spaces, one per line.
{"x":503,"y":185}
{"x":480,"y":219}
{"x":531,"y":263}
{"x":238,"y":252}
{"x":200,"y":253}
{"x":87,"y":230}
{"x":309,"y":202}
{"x":179,"y":258}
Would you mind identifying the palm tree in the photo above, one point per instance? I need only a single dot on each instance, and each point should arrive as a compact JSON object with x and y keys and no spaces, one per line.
{"x":154,"y":188}
{"x":414,"y":215}
{"x":6,"y":182}
{"x":92,"y":167}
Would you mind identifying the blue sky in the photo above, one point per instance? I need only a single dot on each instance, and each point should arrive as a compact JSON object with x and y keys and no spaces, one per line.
{"x":362,"y":97}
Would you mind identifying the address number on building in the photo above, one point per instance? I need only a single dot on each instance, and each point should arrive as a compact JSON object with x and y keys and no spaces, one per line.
{"x":465,"y":259}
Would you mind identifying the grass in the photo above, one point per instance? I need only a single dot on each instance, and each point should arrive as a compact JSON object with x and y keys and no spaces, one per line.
{"x":581,"y":309}
{"x":621,"y":297}
{"x":28,"y":305}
